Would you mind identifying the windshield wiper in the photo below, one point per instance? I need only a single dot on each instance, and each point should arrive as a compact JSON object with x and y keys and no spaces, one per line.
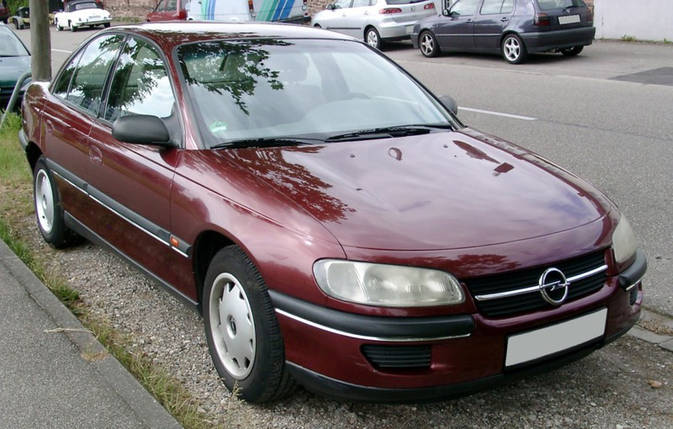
{"x":386,"y":132}
{"x":263,"y":142}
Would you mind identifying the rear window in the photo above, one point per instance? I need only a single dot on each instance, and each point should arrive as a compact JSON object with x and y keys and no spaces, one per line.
{"x":403,"y":1}
{"x":559,"y":4}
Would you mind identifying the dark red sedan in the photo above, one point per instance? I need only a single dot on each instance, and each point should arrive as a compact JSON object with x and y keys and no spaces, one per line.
{"x":333,"y":221}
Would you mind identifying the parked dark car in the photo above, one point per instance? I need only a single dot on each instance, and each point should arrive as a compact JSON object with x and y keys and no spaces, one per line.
{"x":390,"y":255}
{"x":14,"y":62}
{"x":4,"y":12}
{"x":513,"y":28}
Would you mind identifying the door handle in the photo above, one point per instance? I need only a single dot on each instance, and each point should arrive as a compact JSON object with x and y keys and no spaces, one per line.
{"x":504,"y":19}
{"x":469,"y":20}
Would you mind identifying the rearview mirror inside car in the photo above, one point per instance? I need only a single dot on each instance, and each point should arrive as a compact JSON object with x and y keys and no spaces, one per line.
{"x":142,"y":129}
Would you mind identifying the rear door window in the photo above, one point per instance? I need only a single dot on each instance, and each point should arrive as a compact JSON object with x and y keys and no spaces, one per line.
{"x":493,"y":7}
{"x":559,"y":4}
{"x":465,"y":7}
{"x":86,"y":89}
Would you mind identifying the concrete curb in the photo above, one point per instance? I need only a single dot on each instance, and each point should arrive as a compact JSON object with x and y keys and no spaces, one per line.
{"x":119,"y":380}
{"x":663,"y":341}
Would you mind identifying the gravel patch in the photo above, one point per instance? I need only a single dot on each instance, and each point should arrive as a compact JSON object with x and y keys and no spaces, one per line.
{"x":612,"y":388}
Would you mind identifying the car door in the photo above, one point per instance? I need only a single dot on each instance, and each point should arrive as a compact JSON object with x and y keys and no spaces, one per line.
{"x":456,"y":31}
{"x":490,"y":23}
{"x":356,"y":17}
{"x":335,"y":19}
{"x":68,"y":113}
{"x":132,"y":182}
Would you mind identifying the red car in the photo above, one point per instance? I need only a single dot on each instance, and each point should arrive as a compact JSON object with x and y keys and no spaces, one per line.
{"x":334,"y":222}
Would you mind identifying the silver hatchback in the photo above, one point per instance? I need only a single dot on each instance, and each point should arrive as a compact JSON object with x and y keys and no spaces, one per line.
{"x":375,"y":21}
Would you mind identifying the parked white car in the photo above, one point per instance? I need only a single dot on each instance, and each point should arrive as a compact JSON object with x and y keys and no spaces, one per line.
{"x":374,"y":21}
{"x":82,"y":13}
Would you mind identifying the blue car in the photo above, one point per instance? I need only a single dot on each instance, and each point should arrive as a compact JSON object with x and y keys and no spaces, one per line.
{"x":14,"y":62}
{"x":513,"y":28}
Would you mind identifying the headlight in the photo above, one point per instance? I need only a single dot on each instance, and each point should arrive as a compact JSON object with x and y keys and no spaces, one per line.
{"x":624,"y":242}
{"x":387,"y":285}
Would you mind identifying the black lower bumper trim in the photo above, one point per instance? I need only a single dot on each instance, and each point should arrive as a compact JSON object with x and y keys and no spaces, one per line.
{"x":337,"y":389}
{"x":635,"y":272}
{"x":342,"y":390}
{"x":376,"y":326}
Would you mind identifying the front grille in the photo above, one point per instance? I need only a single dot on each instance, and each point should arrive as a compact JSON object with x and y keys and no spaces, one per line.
{"x":514,"y":305}
{"x":397,"y":357}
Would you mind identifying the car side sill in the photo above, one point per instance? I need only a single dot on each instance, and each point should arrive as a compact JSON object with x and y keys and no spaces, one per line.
{"x":77,"y":226}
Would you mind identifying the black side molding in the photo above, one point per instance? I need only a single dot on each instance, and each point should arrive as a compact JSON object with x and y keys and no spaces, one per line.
{"x":635,"y":272}
{"x":374,"y":326}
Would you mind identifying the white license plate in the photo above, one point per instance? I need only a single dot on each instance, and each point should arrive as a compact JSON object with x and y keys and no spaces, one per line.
{"x":410,"y":28}
{"x":552,"y":339}
{"x":570,"y":19}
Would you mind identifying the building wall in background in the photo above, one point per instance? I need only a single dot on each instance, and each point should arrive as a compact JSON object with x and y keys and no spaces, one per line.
{"x":642,"y":19}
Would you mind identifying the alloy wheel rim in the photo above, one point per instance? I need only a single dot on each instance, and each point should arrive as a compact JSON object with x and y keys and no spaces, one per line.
{"x":427,"y":44}
{"x":372,"y":39}
{"x":44,"y":201}
{"x":232,"y":326}
{"x":512,"y":49}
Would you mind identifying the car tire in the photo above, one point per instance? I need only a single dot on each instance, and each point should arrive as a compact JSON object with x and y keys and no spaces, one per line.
{"x":72,"y":27}
{"x":106,"y":25}
{"x":58,"y":27}
{"x":427,"y":43}
{"x":16,"y":23}
{"x":242,"y":331}
{"x":317,"y":26}
{"x":373,"y":38}
{"x":48,"y":210}
{"x":513,"y":49}
{"x":571,"y":52}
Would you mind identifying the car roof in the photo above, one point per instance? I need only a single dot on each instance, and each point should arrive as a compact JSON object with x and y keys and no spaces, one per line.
{"x":171,"y":33}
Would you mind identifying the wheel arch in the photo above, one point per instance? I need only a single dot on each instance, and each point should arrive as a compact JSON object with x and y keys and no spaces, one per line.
{"x":207,"y":244}
{"x":507,"y":33}
{"x":33,"y":153}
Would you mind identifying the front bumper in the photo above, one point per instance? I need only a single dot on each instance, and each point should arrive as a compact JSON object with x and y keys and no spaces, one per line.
{"x":324,"y":348}
{"x":92,"y":22}
{"x":558,"y":39}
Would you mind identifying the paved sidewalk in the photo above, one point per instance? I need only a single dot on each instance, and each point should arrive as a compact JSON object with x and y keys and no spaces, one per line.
{"x":60,"y":379}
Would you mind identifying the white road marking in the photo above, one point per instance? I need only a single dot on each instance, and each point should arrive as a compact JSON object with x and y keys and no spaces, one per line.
{"x":506,"y":115}
{"x":61,"y":50}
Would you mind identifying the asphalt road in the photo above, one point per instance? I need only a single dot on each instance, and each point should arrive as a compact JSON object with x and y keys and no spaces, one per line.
{"x":617,"y":134}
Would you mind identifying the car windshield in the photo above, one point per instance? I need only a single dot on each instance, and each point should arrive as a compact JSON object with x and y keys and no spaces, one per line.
{"x":266,"y":89}
{"x":10,"y":46}
{"x":86,"y":5}
{"x":559,"y":4}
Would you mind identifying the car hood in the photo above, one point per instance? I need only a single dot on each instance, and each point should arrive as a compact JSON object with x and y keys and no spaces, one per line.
{"x":11,"y":68}
{"x":443,"y":190}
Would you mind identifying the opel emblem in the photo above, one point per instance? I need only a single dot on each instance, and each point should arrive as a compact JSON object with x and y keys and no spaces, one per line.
{"x":551,"y":283}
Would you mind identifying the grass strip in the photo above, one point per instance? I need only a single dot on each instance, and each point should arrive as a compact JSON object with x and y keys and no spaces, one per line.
{"x":15,"y":180}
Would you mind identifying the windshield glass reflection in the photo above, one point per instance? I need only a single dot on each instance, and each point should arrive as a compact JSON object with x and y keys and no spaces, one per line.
{"x":255,"y":89}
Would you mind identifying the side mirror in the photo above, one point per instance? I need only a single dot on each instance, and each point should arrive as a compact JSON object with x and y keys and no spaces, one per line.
{"x":142,"y":129}
{"x":446,"y":12}
{"x":330,"y":6}
{"x":449,"y":103}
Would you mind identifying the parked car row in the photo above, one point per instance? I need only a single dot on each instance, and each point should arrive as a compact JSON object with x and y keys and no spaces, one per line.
{"x":512,"y":28}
